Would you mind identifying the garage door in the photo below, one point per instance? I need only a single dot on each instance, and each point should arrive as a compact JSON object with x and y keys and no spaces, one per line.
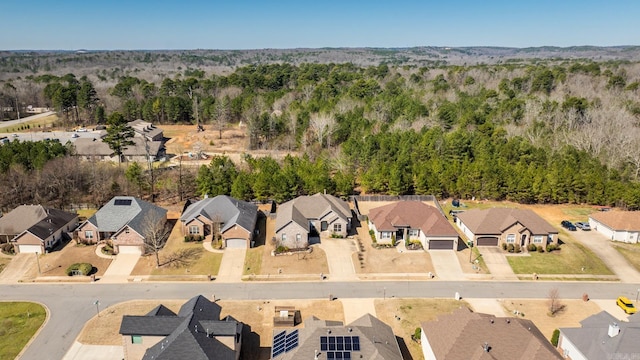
{"x":30,"y":249}
{"x":487,"y":241}
{"x":440,"y":244}
{"x":129,"y":249}
{"x":236,"y":243}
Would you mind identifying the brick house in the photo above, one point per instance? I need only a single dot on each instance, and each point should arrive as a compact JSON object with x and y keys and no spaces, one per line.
{"x":47,"y":232}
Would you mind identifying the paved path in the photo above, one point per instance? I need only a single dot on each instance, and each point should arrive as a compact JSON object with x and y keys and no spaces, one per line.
{"x":120,"y":268}
{"x":339,"y":258}
{"x":497,"y":263}
{"x":446,"y":265}
{"x":355,"y":308}
{"x":9,"y":123}
{"x":602,"y":247}
{"x":232,"y":265}
{"x":487,"y":306}
{"x":17,"y":268}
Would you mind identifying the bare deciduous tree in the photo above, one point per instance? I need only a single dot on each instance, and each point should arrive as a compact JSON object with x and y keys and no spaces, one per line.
{"x":155,"y":230}
{"x":322,"y":125}
{"x":554,"y":301}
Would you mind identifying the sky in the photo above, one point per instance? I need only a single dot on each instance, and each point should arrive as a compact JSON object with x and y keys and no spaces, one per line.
{"x":255,"y":24}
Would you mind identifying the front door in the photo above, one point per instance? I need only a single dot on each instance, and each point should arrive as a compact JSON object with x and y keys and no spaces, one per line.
{"x":523,"y":239}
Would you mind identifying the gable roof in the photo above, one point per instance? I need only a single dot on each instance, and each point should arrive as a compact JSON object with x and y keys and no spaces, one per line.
{"x":145,"y":128}
{"x":412,"y":214}
{"x":225,"y":209}
{"x":497,"y":220}
{"x":125,"y":210}
{"x":317,"y":206}
{"x":593,"y":341}
{"x":618,"y":220}
{"x":376,"y":338}
{"x":190,"y":334}
{"x":36,"y":219}
{"x":463,"y":333}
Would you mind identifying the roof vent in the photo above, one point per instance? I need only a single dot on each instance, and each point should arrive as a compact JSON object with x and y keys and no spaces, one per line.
{"x":486,"y":347}
{"x":492,"y":321}
{"x":508,"y":321}
{"x":328,"y":331}
{"x":614,"y":329}
{"x":350,"y":329}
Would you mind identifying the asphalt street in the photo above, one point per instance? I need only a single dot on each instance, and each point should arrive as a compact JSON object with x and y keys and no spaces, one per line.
{"x":71,"y":305}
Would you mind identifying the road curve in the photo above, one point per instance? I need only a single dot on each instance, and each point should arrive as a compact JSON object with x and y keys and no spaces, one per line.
{"x":72,"y":305}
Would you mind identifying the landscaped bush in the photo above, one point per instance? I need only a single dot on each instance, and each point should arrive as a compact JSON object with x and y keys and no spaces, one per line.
{"x":517,"y":248}
{"x":510,"y":248}
{"x":553,"y":247}
{"x":7,"y":248}
{"x":504,"y":246}
{"x":373,"y":236}
{"x":414,"y":245}
{"x":540,"y":249}
{"x":193,"y":238}
{"x":532,"y":247}
{"x":281,"y":249}
{"x":83,"y":268}
{"x":554,"y":337}
{"x":337,"y":236}
{"x":107,"y":249}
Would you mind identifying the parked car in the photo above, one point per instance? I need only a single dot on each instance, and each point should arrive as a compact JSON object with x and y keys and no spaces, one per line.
{"x":568,"y":225}
{"x":626,"y":305}
{"x":583,"y":226}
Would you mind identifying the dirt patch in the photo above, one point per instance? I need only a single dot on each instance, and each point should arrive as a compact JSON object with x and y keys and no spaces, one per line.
{"x":387,"y":260}
{"x":538,"y":310}
{"x":405,"y":315}
{"x":56,"y":263}
{"x":258,"y":315}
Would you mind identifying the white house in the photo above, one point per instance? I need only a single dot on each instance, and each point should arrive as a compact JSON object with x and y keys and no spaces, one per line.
{"x":617,"y":225}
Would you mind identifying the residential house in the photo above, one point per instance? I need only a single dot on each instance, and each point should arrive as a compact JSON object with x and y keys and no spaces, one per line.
{"x":126,"y":221}
{"x":365,"y":338}
{"x":617,"y":225}
{"x":147,"y":130}
{"x":492,"y":227}
{"x":415,"y":221}
{"x":94,"y":149}
{"x":234,"y":220}
{"x":195,"y":333}
{"x":302,"y":220}
{"x":601,"y":336}
{"x":39,"y":229}
{"x":464,"y":334}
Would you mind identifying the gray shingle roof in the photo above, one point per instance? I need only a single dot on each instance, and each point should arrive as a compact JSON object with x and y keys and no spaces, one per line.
{"x":311,"y":207}
{"x":226,"y":209}
{"x":128,"y":211}
{"x":96,"y":147}
{"x":593,"y":341}
{"x":494,"y":221}
{"x":145,"y":128}
{"x":21,"y":218}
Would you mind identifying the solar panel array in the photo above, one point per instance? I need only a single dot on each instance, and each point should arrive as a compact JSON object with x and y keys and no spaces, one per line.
{"x":339,"y":347}
{"x":122,"y":202}
{"x":283,"y":342}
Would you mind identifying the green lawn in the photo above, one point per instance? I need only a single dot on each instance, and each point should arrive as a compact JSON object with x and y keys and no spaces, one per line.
{"x":36,"y":125}
{"x":19,"y":322}
{"x":570,"y":260}
{"x":253,"y":261}
{"x":631,"y":252}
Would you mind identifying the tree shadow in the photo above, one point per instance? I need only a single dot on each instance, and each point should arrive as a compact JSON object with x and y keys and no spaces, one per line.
{"x":404,"y":349}
{"x":182,"y":258}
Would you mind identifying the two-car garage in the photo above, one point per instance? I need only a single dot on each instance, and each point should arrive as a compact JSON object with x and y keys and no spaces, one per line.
{"x":487,"y":241}
{"x":236,"y":243}
{"x":441,"y":245}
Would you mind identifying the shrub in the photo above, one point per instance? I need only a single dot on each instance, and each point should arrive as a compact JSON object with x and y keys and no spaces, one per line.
{"x":83,"y":268}
{"x":510,"y":248}
{"x":7,"y":248}
{"x":504,"y":246}
{"x":552,"y":247}
{"x":281,"y":249}
{"x":417,"y":334}
{"x":193,"y":238}
{"x":532,"y":247}
{"x":517,"y":248}
{"x":107,"y":249}
{"x":554,"y":337}
{"x":540,"y":249}
{"x":373,"y":236}
{"x":336,"y":236}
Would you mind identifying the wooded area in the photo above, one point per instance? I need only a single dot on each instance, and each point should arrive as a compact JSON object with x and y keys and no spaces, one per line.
{"x":548,"y":131}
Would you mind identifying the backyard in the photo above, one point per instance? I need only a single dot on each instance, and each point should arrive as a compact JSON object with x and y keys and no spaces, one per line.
{"x":20,"y":321}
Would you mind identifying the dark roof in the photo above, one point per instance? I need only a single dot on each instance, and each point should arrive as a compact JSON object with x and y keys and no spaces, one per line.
{"x":311,"y":207}
{"x":414,"y":214}
{"x":593,"y":341}
{"x":226,"y":209}
{"x":377,"y":340}
{"x":462,"y":334}
{"x":191,"y":334}
{"x":125,"y":210}
{"x":145,"y":128}
{"x":97,"y":147}
{"x":496,"y":220}
{"x":55,"y":220}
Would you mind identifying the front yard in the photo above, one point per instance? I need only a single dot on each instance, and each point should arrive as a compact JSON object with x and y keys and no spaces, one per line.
{"x":56,"y":263}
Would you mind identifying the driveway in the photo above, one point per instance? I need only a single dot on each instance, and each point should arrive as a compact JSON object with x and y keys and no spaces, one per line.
{"x":497,"y":263}
{"x":81,"y":351}
{"x":339,"y":252}
{"x":120,"y":268}
{"x":231,"y":265}
{"x":18,"y":268}
{"x":446,"y":265}
{"x":601,"y":246}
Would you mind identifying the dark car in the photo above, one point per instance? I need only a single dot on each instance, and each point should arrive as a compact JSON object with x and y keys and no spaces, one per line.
{"x":568,"y":225}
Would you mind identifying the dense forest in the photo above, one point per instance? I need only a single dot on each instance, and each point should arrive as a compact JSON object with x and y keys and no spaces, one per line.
{"x":531,"y":131}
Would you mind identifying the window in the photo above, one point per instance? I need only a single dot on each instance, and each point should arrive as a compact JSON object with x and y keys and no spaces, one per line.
{"x":414,"y":233}
{"x":511,"y":238}
{"x":537,"y":239}
{"x":284,"y":237}
{"x":323,"y":226}
{"x":194,"y":230}
{"x":385,"y":235}
{"x":88,"y":234}
{"x":136,"y":339}
{"x":337,"y":227}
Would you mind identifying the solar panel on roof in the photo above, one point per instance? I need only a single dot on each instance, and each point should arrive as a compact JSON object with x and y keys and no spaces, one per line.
{"x":278,"y":344}
{"x":347,"y":355}
{"x":279,"y":336}
{"x":330,"y":355}
{"x":323,"y":339}
{"x":323,"y":347}
{"x":338,"y":354}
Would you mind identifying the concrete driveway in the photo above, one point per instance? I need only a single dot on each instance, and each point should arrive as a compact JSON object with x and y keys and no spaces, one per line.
{"x":601,"y":246}
{"x":497,"y":263}
{"x":81,"y":351}
{"x":232,"y":265}
{"x":18,"y":268}
{"x":446,"y":264}
{"x":120,"y":268}
{"x":339,"y":252}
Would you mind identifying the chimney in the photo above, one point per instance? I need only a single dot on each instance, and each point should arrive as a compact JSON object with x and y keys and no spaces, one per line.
{"x":614,"y":329}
